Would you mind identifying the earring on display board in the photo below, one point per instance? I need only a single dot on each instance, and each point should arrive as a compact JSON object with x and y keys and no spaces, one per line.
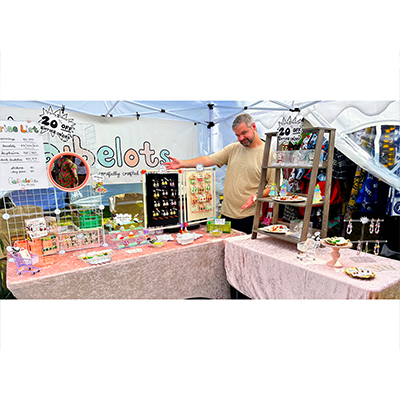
{"x":376,"y":248}
{"x":377,"y":226}
{"x":371,"y":226}
{"x":349,"y":227}
{"x":359,"y":248}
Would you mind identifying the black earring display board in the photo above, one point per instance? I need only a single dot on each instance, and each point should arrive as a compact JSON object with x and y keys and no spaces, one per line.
{"x":162,"y":199}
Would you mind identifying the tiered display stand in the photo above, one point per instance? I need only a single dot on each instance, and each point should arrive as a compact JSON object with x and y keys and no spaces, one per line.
{"x":282,"y":163}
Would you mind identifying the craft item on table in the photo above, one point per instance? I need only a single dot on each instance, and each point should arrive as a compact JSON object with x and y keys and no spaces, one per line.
{"x":165,"y":238}
{"x":359,"y":247}
{"x":377,"y":226}
{"x":337,"y":241}
{"x":99,"y":188}
{"x":308,"y":249}
{"x":362,"y":273}
{"x":131,"y":251}
{"x":349,"y":227}
{"x":371,"y":226}
{"x":376,"y":248}
{"x":158,"y":244}
{"x":49,"y":244}
{"x":36,"y":227}
{"x":289,"y":198}
{"x":185,"y":238}
{"x":284,"y":187}
{"x":51,"y":223}
{"x":275,"y":229}
{"x":97,"y":257}
{"x":24,"y":259}
{"x":224,"y":225}
{"x":274,"y":190}
{"x":217,"y":232}
{"x":280,"y":155}
{"x":296,"y":228}
{"x":268,"y":217}
{"x":317,"y":237}
{"x":317,"y":195}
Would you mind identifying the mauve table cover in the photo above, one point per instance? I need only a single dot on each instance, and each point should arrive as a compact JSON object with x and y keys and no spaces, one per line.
{"x":172,"y":272}
{"x":267,"y":268}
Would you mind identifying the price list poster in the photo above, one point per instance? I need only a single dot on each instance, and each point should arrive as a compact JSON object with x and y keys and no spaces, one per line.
{"x":22,"y":159}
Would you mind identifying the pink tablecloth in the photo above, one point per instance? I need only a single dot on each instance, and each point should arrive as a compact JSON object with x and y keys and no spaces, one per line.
{"x":267,"y":268}
{"x":172,"y":272}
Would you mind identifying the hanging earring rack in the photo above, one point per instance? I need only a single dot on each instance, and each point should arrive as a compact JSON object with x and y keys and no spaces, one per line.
{"x":364,"y":221}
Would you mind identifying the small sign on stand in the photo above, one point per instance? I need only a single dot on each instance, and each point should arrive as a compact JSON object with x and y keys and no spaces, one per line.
{"x":289,"y":131}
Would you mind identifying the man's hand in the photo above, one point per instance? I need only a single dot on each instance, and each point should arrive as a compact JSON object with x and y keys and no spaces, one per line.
{"x":174,"y":164}
{"x":250,"y":201}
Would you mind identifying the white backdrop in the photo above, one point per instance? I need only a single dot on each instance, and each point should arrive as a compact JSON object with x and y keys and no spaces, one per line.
{"x":118,"y":148}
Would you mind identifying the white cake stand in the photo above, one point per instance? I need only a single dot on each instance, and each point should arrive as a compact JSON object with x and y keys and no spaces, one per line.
{"x":335,"y":253}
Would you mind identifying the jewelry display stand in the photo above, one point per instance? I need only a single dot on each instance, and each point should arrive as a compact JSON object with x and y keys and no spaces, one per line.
{"x":374,"y":228}
{"x":335,"y":254}
{"x":290,"y":162}
{"x":191,"y":198}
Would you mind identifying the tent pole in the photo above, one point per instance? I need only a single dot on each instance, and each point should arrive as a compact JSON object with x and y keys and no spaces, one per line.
{"x":108,"y":112}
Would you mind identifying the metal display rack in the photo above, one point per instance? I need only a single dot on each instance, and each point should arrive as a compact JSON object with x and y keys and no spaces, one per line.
{"x":68,"y":221}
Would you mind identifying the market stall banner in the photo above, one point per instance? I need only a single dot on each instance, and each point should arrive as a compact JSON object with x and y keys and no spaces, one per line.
{"x":22,"y":161}
{"x":120,"y":148}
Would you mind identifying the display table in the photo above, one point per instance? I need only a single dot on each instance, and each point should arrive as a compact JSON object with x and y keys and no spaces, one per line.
{"x":268,"y":268}
{"x":172,"y":272}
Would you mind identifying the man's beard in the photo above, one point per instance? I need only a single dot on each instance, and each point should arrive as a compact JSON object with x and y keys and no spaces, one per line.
{"x":247,"y":142}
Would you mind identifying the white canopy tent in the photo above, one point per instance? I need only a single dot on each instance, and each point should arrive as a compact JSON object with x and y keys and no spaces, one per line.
{"x":214,"y":119}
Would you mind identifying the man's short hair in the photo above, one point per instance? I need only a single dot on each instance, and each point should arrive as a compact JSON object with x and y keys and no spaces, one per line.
{"x":243,"y":118}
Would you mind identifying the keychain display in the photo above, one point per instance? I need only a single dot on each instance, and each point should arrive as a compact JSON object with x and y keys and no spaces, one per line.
{"x":75,"y":240}
{"x":200,"y":195}
{"x":377,"y":226}
{"x":371,"y":226}
{"x":349,"y":227}
{"x":376,"y":248}
{"x":162,"y":199}
{"x":127,"y":239}
{"x":359,"y":247}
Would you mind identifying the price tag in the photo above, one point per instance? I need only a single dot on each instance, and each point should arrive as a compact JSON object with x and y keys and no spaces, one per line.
{"x":199,"y":167}
{"x":163,"y":169}
{"x":134,"y":251}
{"x":219,"y":221}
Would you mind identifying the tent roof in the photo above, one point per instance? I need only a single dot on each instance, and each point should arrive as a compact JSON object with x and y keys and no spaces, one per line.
{"x":344,"y":116}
